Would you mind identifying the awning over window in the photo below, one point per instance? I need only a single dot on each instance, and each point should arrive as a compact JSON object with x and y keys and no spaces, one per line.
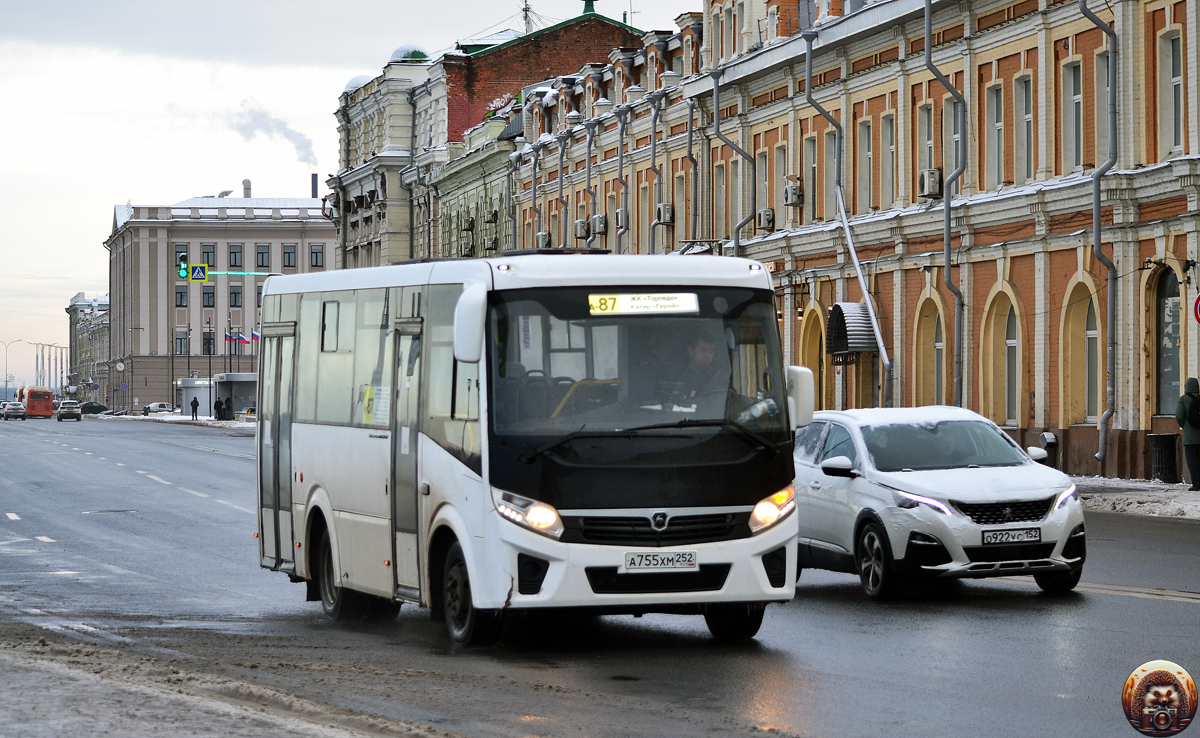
{"x":850,"y":329}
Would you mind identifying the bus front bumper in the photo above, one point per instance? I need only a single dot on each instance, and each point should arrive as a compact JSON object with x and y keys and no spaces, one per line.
{"x":528,"y":570}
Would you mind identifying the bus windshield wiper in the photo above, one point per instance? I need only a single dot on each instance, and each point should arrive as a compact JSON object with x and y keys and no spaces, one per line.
{"x":530,"y":456}
{"x":738,"y":428}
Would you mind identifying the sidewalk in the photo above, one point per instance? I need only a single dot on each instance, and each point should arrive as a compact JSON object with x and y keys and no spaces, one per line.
{"x":1138,"y":496}
{"x":185,"y":419}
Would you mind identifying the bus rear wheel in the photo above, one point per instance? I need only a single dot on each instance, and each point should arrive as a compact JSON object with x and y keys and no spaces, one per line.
{"x":734,"y":621}
{"x":339,"y":603}
{"x":468,"y":625}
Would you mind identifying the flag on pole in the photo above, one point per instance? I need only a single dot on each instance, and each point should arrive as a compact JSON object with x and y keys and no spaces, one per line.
{"x":254,"y":335}
{"x":242,"y":338}
{"x":228,"y":338}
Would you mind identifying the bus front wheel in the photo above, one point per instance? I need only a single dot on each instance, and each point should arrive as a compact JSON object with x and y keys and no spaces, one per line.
{"x":734,"y":621}
{"x":339,"y":603}
{"x":468,"y":625}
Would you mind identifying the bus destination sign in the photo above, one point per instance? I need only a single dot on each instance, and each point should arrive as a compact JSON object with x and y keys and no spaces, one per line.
{"x":662,"y":302}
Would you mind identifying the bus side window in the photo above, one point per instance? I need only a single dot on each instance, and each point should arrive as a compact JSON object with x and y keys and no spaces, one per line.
{"x":335,"y":362}
{"x":452,"y":388}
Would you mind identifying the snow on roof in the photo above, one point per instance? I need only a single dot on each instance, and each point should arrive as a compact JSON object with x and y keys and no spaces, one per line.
{"x":357,"y":82}
{"x":122,"y":214}
{"x":907,"y":415}
{"x":249,"y":202}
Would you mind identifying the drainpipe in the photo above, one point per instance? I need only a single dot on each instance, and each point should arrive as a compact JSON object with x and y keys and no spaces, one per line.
{"x":737,"y":229}
{"x":809,"y":37}
{"x":622,"y":112}
{"x":562,"y":137}
{"x":412,"y":164}
{"x":590,"y":126}
{"x":691,"y":157}
{"x":1111,"y":394}
{"x":655,"y":109}
{"x":959,"y":305}
{"x":537,"y":212}
{"x":514,"y":163}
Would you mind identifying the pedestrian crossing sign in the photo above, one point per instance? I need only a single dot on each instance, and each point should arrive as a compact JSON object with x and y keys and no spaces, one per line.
{"x":197,"y":272}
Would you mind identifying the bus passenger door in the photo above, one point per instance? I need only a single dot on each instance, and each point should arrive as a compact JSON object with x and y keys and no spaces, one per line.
{"x":405,"y":495}
{"x":275,"y":450}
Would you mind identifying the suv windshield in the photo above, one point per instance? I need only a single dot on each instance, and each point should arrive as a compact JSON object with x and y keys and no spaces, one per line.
{"x":600,"y":360}
{"x":947,"y":444}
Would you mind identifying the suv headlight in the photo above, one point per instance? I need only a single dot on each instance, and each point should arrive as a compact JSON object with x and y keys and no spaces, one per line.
{"x":1064,"y":496}
{"x":771,"y":510}
{"x":531,"y":514}
{"x":908,"y":501}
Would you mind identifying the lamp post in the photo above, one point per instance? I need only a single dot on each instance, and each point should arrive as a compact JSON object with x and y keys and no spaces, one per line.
{"x":18,"y":340}
{"x":211,"y":349}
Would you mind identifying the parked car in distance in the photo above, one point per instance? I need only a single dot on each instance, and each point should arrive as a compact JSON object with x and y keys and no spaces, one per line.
{"x":910,"y":495}
{"x":157,"y":407}
{"x":14,"y":410}
{"x":92,"y":408}
{"x":69,"y":409}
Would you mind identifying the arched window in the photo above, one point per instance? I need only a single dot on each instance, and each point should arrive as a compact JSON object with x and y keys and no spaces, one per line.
{"x":928,"y":353}
{"x":939,"y":351}
{"x":1010,"y":368}
{"x":1167,"y":364}
{"x":1092,"y":350}
{"x":812,"y":351}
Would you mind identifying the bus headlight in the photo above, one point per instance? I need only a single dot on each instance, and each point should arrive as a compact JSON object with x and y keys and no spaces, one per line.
{"x":537,"y":516}
{"x":770,"y":511}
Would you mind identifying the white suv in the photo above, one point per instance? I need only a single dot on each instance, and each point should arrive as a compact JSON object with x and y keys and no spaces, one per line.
{"x":909,"y":495}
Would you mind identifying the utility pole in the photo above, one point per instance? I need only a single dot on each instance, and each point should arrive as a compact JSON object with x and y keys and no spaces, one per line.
{"x":212,"y":349}
{"x":527,"y":16}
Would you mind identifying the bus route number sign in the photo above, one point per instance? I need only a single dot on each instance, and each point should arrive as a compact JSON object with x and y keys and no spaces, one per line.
{"x":636,"y":304}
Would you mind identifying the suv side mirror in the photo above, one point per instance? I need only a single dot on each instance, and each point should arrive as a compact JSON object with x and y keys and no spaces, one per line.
{"x":838,"y":466}
{"x":1037,"y":454}
{"x":800,"y":396}
{"x":470,"y":318}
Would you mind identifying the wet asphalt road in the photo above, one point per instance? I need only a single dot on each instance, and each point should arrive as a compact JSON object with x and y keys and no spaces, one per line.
{"x":139,"y":535}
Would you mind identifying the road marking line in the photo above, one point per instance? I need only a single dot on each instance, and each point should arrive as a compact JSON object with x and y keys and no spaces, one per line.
{"x":1147,"y":593}
{"x":120,"y":464}
{"x":45,"y":539}
{"x":13,"y":516}
{"x":74,"y":449}
{"x":235,"y":507}
{"x":194,"y":492}
{"x":87,"y":453}
{"x":102,"y":458}
{"x":139,"y":471}
{"x":158,"y":479}
{"x":63,"y":573}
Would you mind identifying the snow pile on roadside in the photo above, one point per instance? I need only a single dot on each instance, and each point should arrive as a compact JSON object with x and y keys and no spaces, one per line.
{"x":1138,"y":496}
{"x":175,"y":418}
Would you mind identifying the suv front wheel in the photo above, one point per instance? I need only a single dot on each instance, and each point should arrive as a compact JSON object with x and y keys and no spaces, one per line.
{"x":876,"y":569}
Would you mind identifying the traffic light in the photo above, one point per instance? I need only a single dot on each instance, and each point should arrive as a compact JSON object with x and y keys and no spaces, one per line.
{"x":183,"y":266}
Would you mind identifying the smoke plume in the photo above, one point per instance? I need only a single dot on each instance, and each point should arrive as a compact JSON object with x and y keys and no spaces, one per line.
{"x":252,"y":120}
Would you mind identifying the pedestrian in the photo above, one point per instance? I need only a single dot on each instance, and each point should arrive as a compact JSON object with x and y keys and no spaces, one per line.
{"x":195,"y":407}
{"x":1187,"y":414}
{"x":229,"y":408}
{"x":220,"y":413}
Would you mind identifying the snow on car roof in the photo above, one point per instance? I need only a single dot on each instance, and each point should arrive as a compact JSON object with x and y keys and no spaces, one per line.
{"x":902,"y":415}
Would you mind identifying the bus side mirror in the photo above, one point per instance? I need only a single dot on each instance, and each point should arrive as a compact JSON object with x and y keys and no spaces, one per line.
{"x":801,"y":396}
{"x":470,"y":317}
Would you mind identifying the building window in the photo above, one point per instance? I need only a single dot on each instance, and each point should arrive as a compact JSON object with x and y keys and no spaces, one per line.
{"x":235,"y":296}
{"x":1010,"y":369}
{"x":925,"y":135}
{"x":181,"y":343}
{"x":210,"y":296}
{"x":763,"y":184}
{"x":780,"y":181}
{"x":1101,"y":108}
{"x":1168,"y":343}
{"x":181,"y":291}
{"x":1072,"y":129}
{"x":289,"y":255}
{"x":1092,"y":352}
{"x":235,"y":256}
{"x":928,"y":355}
{"x":259,"y":302}
{"x":865,"y":157}
{"x":209,"y":347}
{"x":1024,"y":157}
{"x":317,"y":256}
{"x":953,"y":127}
{"x":264,"y":256}
{"x":208,"y":252}
{"x":1170,"y":95}
{"x":831,"y":161}
{"x":810,"y":180}
{"x":887,"y":168}
{"x":994,"y":171}
{"x":719,"y":204}
{"x":939,"y":354}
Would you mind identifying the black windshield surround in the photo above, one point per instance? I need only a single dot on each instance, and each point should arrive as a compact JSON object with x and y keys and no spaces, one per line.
{"x":556,"y":370}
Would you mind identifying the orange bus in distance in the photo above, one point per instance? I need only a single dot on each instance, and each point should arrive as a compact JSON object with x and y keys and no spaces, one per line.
{"x":39,"y":401}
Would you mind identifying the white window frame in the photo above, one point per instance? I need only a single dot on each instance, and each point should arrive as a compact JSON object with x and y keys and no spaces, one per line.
{"x":1091,"y":357}
{"x":1170,"y":94}
{"x":994,"y":171}
{"x":831,"y":211}
{"x":1012,"y":368}
{"x":866,"y":155}
{"x":887,"y":167}
{"x":1101,"y":80}
{"x":1024,"y":161}
{"x":810,"y":181}
{"x":1072,"y":123}
{"x":780,"y":180}
{"x":925,"y":137}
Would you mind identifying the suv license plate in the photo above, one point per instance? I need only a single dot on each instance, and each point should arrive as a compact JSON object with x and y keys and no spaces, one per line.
{"x":660,"y":561}
{"x":1021,"y":535}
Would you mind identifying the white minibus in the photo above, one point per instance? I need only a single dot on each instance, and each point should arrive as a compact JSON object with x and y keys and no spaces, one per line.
{"x":559,"y":429}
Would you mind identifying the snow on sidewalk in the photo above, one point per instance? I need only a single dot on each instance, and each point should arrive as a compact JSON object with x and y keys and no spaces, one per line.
{"x":1138,"y":497}
{"x":187,"y":419}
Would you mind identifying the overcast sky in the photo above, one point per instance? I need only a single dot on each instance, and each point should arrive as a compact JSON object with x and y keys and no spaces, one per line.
{"x":156,"y":101}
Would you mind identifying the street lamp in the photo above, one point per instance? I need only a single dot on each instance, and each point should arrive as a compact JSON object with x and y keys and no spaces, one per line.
{"x":19,"y":340}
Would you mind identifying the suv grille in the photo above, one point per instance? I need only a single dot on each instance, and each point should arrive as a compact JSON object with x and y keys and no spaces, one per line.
{"x":1019,"y":552}
{"x":681,"y":530}
{"x":998,"y":513}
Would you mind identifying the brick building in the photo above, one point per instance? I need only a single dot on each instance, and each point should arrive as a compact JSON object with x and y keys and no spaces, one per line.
{"x":383,"y":204}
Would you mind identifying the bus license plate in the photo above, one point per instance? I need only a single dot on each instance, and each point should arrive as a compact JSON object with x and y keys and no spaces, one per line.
{"x":660,"y":561}
{"x":1021,"y":535}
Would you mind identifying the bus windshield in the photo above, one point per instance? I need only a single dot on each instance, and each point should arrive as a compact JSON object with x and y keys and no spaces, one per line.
{"x":596,"y":361}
